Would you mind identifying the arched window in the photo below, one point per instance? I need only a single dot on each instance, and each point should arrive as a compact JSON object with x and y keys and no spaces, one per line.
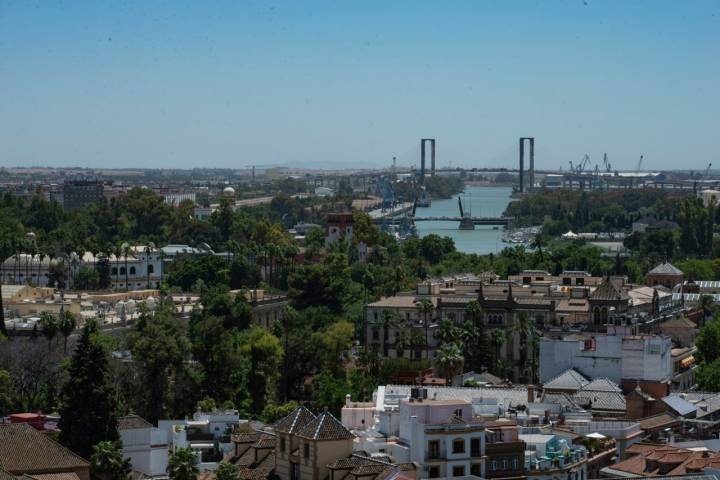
{"x":132,"y":270}
{"x":458,"y":445}
{"x":151,"y":269}
{"x":122,"y":270}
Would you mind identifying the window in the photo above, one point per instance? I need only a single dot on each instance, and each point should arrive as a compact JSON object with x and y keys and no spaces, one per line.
{"x":433,"y":449}
{"x":526,"y":279}
{"x":493,"y":465}
{"x":375,"y":315}
{"x":579,"y":281}
{"x":458,"y":412}
{"x":122,"y":270}
{"x":458,"y":445}
{"x":113,"y":271}
{"x":306,"y":450}
{"x":151,"y":269}
{"x":566,"y":280}
{"x":375,"y":333}
{"x":459,"y":471}
{"x":476,"y":469}
{"x":504,"y":464}
{"x":132,"y":270}
{"x":515,"y":463}
{"x":433,"y":472}
{"x":539,"y":279}
{"x":282,"y":444}
{"x":475,"y":447}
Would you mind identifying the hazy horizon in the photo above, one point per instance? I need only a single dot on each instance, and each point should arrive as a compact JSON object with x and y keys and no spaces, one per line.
{"x":350,"y":85}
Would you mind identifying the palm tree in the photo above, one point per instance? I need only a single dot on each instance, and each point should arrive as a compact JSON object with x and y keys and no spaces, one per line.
{"x":497,"y":339}
{"x":388,"y":320}
{"x":447,"y":332}
{"x":66,"y":325}
{"x":707,"y":306}
{"x":6,"y":248}
{"x":149,"y":248}
{"x":449,"y":360}
{"x":117,"y":251}
{"x":125,"y":250}
{"x":288,"y":317}
{"x":107,"y":462}
{"x":529,"y":334}
{"x":537,"y":243}
{"x":49,"y":326}
{"x":183,"y":465}
{"x":427,"y":308}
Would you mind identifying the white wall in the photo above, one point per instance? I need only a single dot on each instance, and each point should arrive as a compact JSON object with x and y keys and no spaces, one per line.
{"x":614,"y":357}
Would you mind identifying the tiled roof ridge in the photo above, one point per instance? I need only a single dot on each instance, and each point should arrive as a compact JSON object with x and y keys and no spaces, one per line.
{"x":314,"y":429}
{"x":376,"y":460}
{"x":295,"y":417}
{"x":569,"y":371}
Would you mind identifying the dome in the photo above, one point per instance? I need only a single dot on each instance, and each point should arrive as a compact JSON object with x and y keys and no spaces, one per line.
{"x":229,"y":191}
{"x":150,"y":303}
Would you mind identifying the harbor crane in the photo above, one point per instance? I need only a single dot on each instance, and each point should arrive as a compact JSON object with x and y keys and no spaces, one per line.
{"x":606,"y":163}
{"x":639,"y":164}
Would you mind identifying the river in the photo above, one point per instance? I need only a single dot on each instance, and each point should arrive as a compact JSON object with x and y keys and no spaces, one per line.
{"x":483,"y":202}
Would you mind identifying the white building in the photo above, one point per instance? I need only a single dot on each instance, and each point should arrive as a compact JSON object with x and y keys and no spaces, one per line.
{"x":26,"y":269}
{"x":615,"y":356}
{"x":138,"y":268}
{"x":146,"y":446}
{"x":207,"y":434}
{"x":442,"y":436}
{"x":708,"y":196}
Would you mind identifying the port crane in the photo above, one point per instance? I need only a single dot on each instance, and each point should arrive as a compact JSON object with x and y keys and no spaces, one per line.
{"x":606,"y":163}
{"x":580,"y":167}
{"x":639,"y":164}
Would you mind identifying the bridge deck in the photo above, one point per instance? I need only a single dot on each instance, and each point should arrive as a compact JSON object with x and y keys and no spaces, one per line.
{"x":476,"y":220}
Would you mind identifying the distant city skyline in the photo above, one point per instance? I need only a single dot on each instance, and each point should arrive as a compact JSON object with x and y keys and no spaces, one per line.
{"x":348,"y":85}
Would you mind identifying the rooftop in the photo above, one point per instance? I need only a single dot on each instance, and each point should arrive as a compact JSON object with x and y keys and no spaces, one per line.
{"x":666,"y":268}
{"x":325,"y":427}
{"x":570,"y":379}
{"x":24,"y":449}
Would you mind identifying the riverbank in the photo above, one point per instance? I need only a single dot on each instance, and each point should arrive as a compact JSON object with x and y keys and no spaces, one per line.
{"x":479,"y":201}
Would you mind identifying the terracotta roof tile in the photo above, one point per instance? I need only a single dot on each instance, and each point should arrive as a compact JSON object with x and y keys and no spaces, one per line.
{"x":23,"y":449}
{"x":609,"y":290}
{"x":55,"y":476}
{"x":325,"y":427}
{"x":258,"y":471}
{"x":5,"y":475}
{"x":131,"y":422}
{"x":295,"y":421}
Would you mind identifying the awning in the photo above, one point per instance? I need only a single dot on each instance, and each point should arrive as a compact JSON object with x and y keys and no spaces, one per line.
{"x":687,"y":361}
{"x":597,"y":435}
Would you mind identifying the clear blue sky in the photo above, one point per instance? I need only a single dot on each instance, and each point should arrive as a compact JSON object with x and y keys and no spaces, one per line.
{"x":229,"y":84}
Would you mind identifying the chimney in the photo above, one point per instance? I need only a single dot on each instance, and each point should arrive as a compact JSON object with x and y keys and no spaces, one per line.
{"x":531,"y":393}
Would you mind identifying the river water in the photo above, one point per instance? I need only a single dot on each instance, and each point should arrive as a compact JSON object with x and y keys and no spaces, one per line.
{"x":482,"y":202}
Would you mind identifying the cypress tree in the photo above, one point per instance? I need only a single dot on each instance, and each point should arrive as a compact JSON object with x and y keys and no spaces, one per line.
{"x":88,"y":411}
